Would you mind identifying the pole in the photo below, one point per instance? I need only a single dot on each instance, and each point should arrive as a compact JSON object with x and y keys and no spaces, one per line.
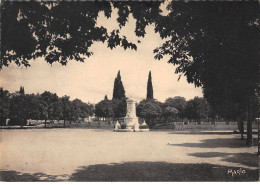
{"x":258,"y":119}
{"x":258,"y":123}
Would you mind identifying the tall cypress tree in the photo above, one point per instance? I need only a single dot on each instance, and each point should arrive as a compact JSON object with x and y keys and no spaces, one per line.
{"x":149,"y":87}
{"x":21,"y":90}
{"x":119,"y":91}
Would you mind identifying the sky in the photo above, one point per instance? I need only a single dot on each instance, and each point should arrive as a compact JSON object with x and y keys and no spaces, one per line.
{"x":92,"y":80}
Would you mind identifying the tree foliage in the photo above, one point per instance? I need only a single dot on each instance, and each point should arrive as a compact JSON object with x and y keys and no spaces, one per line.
{"x":32,"y":106}
{"x":104,"y":109}
{"x":119,"y":107}
{"x":149,"y":87}
{"x":61,"y":31}
{"x":149,"y":110}
{"x":21,"y":90}
{"x":197,"y":109}
{"x":119,"y":99}
{"x":4,"y":105}
{"x":179,"y":103}
{"x":216,"y":46}
{"x":48,"y":100}
{"x":18,"y":114}
{"x":115,"y":108}
{"x":82,"y":110}
{"x":46,"y":106}
{"x":169,"y":112}
{"x":119,"y":90}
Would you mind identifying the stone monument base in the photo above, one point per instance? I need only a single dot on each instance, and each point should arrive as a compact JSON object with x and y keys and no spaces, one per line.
{"x":144,"y":130}
{"x":124,"y":130}
{"x":131,"y":130}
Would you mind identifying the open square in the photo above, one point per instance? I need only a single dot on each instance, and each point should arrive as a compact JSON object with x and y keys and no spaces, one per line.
{"x":103,"y":155}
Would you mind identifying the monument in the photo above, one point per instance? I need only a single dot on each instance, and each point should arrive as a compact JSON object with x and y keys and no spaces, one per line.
{"x":130,"y":123}
{"x":130,"y":120}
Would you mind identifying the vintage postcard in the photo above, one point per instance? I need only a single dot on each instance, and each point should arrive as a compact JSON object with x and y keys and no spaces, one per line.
{"x":129,"y":91}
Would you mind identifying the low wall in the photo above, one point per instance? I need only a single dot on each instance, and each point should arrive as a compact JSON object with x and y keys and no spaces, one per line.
{"x":210,"y":126}
{"x":173,"y":125}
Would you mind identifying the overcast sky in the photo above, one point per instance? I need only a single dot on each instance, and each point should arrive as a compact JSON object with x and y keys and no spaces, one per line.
{"x":92,"y":80}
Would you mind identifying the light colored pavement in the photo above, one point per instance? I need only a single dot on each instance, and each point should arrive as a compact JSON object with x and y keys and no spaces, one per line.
{"x":62,"y":151}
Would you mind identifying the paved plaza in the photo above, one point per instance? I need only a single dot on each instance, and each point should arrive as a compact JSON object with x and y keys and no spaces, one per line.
{"x":103,"y":155}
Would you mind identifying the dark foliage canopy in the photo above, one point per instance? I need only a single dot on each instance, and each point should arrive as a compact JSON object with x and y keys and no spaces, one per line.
{"x":104,"y":109}
{"x":197,"y":109}
{"x":149,"y":109}
{"x":20,"y":107}
{"x":22,"y":90}
{"x":214,"y":44}
{"x":4,"y":105}
{"x":179,"y":103}
{"x":149,"y":87}
{"x":119,"y":90}
{"x":61,"y":31}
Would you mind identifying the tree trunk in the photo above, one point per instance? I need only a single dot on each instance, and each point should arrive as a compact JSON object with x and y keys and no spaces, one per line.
{"x":45,"y":123}
{"x":241,"y":127}
{"x":249,"y":140}
{"x":22,"y":122}
{"x":64,"y":123}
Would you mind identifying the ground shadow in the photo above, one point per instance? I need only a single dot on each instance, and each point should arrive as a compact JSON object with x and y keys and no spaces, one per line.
{"x":160,"y":171}
{"x":142,"y":171}
{"x":248,"y":159}
{"x":217,"y":143}
{"x":14,"y":176}
{"x":201,"y":132}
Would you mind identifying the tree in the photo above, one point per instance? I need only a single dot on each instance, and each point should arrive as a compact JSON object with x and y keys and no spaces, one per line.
{"x":32,"y":106}
{"x":179,"y":103}
{"x":197,"y":109}
{"x":18,"y":113}
{"x":61,"y":31}
{"x":104,"y":109}
{"x":222,"y":57}
{"x":24,"y":107}
{"x":91,"y":109}
{"x":79,"y":110}
{"x":149,"y":87}
{"x":149,"y":110}
{"x":119,"y":99}
{"x":119,"y":108}
{"x":169,"y":112}
{"x":57,"y":113}
{"x":48,"y":100}
{"x":22,"y":90}
{"x":48,"y":106}
{"x":4,"y":105}
{"x":66,"y":109}
{"x":119,"y":91}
